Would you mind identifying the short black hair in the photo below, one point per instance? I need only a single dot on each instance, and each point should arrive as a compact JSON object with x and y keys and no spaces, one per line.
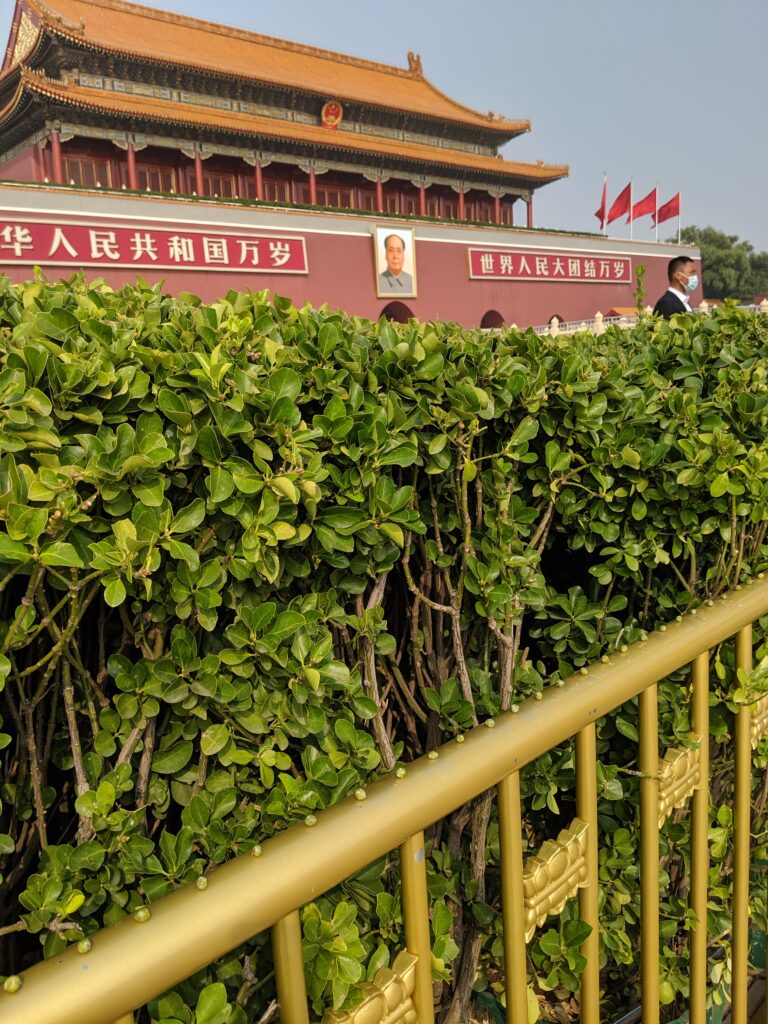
{"x":394,"y":235}
{"x":676,"y":263}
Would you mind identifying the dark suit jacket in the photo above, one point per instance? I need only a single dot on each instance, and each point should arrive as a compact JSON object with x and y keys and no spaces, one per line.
{"x":667,"y":305}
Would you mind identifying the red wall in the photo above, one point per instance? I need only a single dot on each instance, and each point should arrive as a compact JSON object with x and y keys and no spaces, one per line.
{"x":23,"y":167}
{"x":341,"y":266}
{"x":342,"y":275}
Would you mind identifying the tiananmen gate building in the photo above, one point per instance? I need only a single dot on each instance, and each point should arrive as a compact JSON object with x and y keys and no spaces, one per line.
{"x":134,"y":142}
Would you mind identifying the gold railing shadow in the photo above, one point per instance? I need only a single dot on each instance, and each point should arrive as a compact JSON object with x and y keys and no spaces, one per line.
{"x":132,"y":962}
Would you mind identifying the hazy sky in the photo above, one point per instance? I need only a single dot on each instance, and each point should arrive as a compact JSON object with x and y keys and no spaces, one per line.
{"x":667,"y":91}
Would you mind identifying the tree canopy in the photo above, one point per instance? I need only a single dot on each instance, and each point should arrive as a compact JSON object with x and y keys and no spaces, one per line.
{"x":731,"y":268}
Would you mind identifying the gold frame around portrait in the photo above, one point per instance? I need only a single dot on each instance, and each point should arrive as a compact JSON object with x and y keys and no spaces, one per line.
{"x":408,"y":235}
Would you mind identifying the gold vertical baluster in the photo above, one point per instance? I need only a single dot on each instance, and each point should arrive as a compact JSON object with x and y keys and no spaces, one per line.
{"x":289,"y":970}
{"x":649,"y":853}
{"x":586,"y":809}
{"x":699,"y":841}
{"x":413,"y":872}
{"x":741,"y":827}
{"x":511,"y":844}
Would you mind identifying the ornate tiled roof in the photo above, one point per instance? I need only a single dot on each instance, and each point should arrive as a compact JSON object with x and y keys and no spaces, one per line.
{"x":117,"y":26}
{"x":254,"y":128}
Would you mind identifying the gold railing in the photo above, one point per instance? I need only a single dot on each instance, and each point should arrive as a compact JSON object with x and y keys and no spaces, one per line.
{"x":125,"y":966}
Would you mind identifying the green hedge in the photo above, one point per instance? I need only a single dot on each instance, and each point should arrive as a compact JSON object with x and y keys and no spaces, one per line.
{"x":253,"y":556}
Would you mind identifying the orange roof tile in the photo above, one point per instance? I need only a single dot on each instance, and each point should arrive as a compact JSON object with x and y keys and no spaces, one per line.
{"x":122,"y":27}
{"x":150,"y":109}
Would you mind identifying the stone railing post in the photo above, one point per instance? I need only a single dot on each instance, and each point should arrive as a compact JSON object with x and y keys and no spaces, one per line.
{"x":763,"y":307}
{"x":599,"y":327}
{"x":554,"y":327}
{"x":704,"y":306}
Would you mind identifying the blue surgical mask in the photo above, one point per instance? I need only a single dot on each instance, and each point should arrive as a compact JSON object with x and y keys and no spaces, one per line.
{"x":692,"y":283}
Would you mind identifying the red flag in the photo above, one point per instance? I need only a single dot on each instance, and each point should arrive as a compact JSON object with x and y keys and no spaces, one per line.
{"x":668,"y":210}
{"x":645,"y":206}
{"x":600,"y":214}
{"x":621,"y":204}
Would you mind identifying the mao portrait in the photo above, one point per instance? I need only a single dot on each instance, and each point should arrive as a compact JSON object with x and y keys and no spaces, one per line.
{"x":395,"y":262}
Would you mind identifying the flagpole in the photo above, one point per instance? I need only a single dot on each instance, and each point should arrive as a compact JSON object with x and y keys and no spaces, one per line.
{"x":656,"y":215}
{"x":605,"y":211}
{"x":679,"y":215}
{"x":631,"y":221}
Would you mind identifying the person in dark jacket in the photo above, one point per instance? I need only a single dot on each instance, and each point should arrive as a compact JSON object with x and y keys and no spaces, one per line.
{"x":683,"y":280}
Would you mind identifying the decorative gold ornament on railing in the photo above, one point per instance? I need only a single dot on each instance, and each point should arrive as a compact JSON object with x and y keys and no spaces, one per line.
{"x":387,"y":999}
{"x":554,"y":874}
{"x":679,"y":775}
{"x":759,"y":723}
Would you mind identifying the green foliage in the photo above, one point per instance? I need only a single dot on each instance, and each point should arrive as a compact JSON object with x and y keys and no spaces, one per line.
{"x":252,"y":556}
{"x":640,"y":271}
{"x":730,"y":266}
{"x":333,"y":952}
{"x":213,"y":1007}
{"x":557,"y":954}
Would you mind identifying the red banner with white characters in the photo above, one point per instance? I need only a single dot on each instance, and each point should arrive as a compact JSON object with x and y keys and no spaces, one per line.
{"x":96,"y":244}
{"x":511,"y":265}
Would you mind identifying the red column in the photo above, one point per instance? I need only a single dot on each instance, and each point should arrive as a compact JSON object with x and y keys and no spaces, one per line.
{"x":379,"y":194}
{"x":461,"y":206}
{"x":529,"y":205}
{"x":497,"y":210}
{"x":58,"y":163}
{"x":199,"y":187}
{"x":133,"y":174}
{"x":312,"y":187}
{"x":259,"y":180}
{"x":422,"y":201}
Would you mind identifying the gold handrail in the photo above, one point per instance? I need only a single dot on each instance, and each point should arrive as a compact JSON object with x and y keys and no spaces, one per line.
{"x":135,"y":960}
